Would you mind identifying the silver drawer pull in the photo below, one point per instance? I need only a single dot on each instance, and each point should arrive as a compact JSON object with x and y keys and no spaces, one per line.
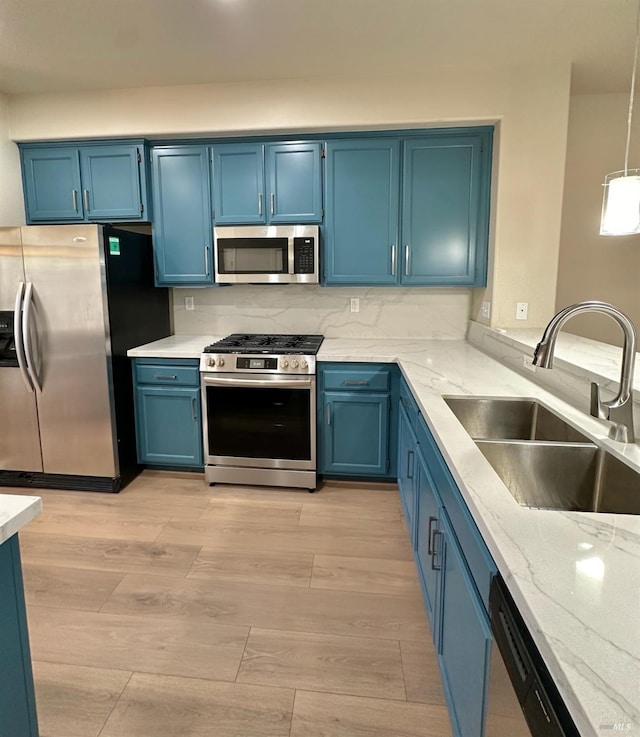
{"x":260,"y":204}
{"x":85,"y":197}
{"x":273,"y":203}
{"x":434,"y":567}
{"x":429,"y":542}
{"x":171,"y":377}
{"x":407,"y":257}
{"x":393,"y":260}
{"x":74,"y":199}
{"x":328,"y":414}
{"x":354,"y":382}
{"x":194,"y":408}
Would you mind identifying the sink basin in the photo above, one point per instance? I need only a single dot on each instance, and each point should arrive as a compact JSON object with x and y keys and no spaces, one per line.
{"x":571,"y":477}
{"x":512,"y":419}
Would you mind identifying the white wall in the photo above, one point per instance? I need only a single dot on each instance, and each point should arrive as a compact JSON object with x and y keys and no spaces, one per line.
{"x":11,"y":202}
{"x":531,"y":107}
{"x":592,"y":266}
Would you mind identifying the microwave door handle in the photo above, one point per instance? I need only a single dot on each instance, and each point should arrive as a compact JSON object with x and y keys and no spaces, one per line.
{"x":17,"y":335}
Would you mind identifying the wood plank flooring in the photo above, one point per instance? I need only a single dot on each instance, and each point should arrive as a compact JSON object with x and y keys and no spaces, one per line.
{"x":175,"y":609}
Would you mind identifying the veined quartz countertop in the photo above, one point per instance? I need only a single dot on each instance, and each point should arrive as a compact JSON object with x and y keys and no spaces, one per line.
{"x":574,"y":576}
{"x":15,"y":512}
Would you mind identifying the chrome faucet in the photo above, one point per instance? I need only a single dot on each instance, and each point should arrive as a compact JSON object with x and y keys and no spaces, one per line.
{"x":619,"y":410}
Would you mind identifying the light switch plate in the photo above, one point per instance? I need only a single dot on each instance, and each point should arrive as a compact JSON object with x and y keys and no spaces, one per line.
{"x":189,"y":304}
{"x":522,"y":310}
{"x":355,"y":304}
{"x":486,"y":309}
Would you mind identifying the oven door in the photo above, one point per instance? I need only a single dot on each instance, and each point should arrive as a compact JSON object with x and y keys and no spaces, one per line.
{"x":261,"y":422}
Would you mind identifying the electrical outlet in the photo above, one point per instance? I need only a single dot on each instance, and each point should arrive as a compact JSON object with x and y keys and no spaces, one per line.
{"x":355,"y":304}
{"x":189,"y":304}
{"x":522,"y":310}
{"x":486,"y":309}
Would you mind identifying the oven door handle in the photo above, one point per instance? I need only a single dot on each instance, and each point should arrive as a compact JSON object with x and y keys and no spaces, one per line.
{"x":259,"y":383}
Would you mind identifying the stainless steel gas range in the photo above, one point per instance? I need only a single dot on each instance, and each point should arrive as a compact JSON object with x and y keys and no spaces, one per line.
{"x":259,"y":410}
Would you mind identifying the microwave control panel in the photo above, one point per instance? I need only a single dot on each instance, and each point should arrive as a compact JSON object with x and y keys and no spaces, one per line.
{"x":303,"y":256}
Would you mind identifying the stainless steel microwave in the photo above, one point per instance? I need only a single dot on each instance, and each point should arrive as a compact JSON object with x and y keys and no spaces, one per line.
{"x":266,"y":254}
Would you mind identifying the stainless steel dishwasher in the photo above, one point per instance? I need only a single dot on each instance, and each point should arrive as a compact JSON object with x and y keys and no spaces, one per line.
{"x":523,"y":700}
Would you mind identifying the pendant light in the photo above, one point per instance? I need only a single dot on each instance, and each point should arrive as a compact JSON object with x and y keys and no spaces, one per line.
{"x":621,"y":204}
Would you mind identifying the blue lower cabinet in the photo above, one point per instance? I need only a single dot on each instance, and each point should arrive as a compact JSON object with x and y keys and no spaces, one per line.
{"x":407,"y":470}
{"x":17,"y":701}
{"x":168,"y":412}
{"x":427,"y":512}
{"x":463,"y":636}
{"x":356,"y":433}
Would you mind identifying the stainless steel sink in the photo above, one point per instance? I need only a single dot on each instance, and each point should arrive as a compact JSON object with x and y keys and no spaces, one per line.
{"x":572,"y":477}
{"x":512,"y":419}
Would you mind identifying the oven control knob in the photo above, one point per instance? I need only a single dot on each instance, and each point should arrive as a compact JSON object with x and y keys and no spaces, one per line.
{"x":219,"y":361}
{"x":211,"y":362}
{"x":284,"y":363}
{"x":294,"y":363}
{"x":303,"y":364}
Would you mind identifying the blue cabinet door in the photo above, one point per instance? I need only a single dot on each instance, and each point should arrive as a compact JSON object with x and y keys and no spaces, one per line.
{"x":444,"y":233}
{"x":294,"y":182}
{"x":52,"y":184}
{"x":407,"y":456}
{"x":169,"y":425}
{"x":17,"y":701}
{"x":111,"y":186}
{"x":463,"y":637}
{"x":362,"y":195}
{"x":238,"y":184}
{"x":356,"y":433}
{"x":182,"y":227}
{"x":428,"y":510}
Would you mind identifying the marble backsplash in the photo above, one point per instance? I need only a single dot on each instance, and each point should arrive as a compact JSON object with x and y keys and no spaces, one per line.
{"x":393,"y":312}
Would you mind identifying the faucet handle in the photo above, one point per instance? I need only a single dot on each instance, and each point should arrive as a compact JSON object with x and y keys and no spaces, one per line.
{"x":597,"y":409}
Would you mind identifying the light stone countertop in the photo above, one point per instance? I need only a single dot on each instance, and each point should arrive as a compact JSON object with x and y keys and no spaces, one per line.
{"x":15,"y":512}
{"x":574,"y":576}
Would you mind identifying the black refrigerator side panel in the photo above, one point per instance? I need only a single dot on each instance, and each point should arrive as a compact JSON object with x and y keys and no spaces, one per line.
{"x":139,"y":313}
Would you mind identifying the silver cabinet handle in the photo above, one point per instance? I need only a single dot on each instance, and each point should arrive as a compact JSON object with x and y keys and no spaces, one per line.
{"x":206,"y":260}
{"x":407,"y":256}
{"x":85,"y":197}
{"x":429,"y":545}
{"x":410,"y":455}
{"x":17,"y":332}
{"x":165,"y":377}
{"x":259,"y":204}
{"x":273,"y":203}
{"x":74,"y":199}
{"x":194,"y":408}
{"x":328,"y":412}
{"x":26,"y":342}
{"x":354,"y":382}
{"x":433,"y":551}
{"x":393,"y":260}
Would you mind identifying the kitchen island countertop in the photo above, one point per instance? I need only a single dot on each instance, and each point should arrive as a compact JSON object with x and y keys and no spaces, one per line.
{"x":15,"y":512}
{"x":574,"y":576}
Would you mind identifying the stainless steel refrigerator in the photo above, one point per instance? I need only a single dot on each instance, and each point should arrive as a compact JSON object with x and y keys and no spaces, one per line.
{"x":73,"y":300}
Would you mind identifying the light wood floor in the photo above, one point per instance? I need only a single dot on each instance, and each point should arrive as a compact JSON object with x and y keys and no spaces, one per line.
{"x":174,"y":609}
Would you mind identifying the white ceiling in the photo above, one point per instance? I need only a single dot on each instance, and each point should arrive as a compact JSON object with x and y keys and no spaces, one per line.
{"x":58,"y":45}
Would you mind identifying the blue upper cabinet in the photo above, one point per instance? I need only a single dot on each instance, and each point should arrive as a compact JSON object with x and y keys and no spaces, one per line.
{"x":428,"y":226}
{"x":444,"y":223}
{"x":182,"y":226}
{"x":52,"y":184}
{"x":97,"y":183}
{"x":294,"y":182}
{"x":238,"y":183}
{"x":362,"y":195}
{"x":272,"y":183}
{"x":111,"y":182}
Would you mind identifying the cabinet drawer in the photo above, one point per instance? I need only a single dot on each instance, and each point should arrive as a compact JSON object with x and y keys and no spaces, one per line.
{"x":167,"y":374}
{"x":357,"y":380}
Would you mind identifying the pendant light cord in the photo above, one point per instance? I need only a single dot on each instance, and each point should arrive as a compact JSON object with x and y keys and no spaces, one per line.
{"x":633,"y":86}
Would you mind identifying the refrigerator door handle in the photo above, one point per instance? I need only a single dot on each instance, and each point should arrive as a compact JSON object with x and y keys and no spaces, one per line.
{"x":17,"y":332}
{"x":26,"y":323}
